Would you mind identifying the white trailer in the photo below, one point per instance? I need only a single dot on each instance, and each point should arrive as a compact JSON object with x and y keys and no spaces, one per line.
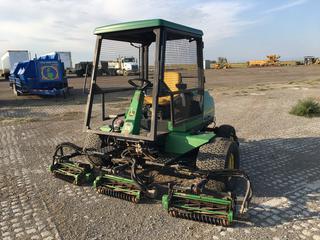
{"x":65,"y":57}
{"x":10,"y":58}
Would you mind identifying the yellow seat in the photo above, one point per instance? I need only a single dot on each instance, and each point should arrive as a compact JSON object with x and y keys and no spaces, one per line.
{"x":171,"y":79}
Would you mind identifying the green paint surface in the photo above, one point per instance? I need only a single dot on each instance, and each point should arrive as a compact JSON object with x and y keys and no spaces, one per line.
{"x":206,"y":198}
{"x":165,"y":201}
{"x":133,"y":116}
{"x":105,"y":128}
{"x":182,"y":142}
{"x":150,"y":23}
{"x":187,"y":125}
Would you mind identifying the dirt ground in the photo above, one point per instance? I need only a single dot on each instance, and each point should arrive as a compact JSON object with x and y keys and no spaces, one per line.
{"x":280,"y":152}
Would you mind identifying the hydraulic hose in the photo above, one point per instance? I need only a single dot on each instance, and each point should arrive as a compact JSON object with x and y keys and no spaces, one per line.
{"x":238,"y":174}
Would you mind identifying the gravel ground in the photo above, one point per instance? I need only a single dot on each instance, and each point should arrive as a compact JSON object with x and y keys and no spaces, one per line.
{"x":279,"y":151}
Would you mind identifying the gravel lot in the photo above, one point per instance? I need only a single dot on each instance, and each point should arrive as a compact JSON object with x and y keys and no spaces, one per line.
{"x":280,"y":152}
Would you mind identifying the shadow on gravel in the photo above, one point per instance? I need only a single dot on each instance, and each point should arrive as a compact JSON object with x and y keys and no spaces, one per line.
{"x":285,"y":174}
{"x":20,"y":114}
{"x":75,"y":97}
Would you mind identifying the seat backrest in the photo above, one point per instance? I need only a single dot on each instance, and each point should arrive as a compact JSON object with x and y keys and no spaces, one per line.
{"x":171,"y":79}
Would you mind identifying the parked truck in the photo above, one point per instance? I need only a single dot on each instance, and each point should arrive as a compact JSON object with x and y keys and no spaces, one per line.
{"x":310,"y":60}
{"x":82,"y":68}
{"x":9,"y":59}
{"x":121,"y":66}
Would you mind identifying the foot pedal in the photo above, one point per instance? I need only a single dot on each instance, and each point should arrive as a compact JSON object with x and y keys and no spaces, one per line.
{"x":202,"y":208}
{"x":75,"y":173}
{"x":118,"y":187}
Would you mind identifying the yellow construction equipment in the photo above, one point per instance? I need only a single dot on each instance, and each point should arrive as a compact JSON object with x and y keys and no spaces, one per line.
{"x":272,"y":60}
{"x":222,"y":63}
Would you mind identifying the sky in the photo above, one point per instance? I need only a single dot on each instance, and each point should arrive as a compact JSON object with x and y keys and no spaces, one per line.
{"x":237,"y":29}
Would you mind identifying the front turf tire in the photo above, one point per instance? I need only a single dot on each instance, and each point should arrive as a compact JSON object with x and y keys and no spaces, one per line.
{"x":221,"y":153}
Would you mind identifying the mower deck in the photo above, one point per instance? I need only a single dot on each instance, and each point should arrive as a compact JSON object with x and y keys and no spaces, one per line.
{"x":72,"y":172}
{"x":202,"y":208}
{"x":179,"y":188}
{"x":118,"y":187}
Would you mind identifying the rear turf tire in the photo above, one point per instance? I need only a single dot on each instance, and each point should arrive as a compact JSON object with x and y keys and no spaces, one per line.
{"x":221,"y":153}
{"x":227,"y":131}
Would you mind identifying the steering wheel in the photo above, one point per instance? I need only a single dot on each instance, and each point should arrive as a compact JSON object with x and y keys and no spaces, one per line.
{"x":143,"y":85}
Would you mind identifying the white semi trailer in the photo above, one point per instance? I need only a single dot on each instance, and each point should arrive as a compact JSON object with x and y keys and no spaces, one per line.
{"x":10,"y":58}
{"x":65,"y":57}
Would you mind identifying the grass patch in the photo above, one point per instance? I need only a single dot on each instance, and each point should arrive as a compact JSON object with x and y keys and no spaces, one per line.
{"x":309,"y":107}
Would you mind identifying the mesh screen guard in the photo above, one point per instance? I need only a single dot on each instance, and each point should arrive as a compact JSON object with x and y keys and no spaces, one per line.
{"x":181,"y":57}
{"x":180,"y":90}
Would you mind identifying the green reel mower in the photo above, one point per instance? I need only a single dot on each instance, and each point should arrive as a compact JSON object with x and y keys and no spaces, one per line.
{"x":163,"y":145}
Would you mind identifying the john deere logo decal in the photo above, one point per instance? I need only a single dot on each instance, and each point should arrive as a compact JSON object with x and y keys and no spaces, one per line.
{"x":49,"y":72}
